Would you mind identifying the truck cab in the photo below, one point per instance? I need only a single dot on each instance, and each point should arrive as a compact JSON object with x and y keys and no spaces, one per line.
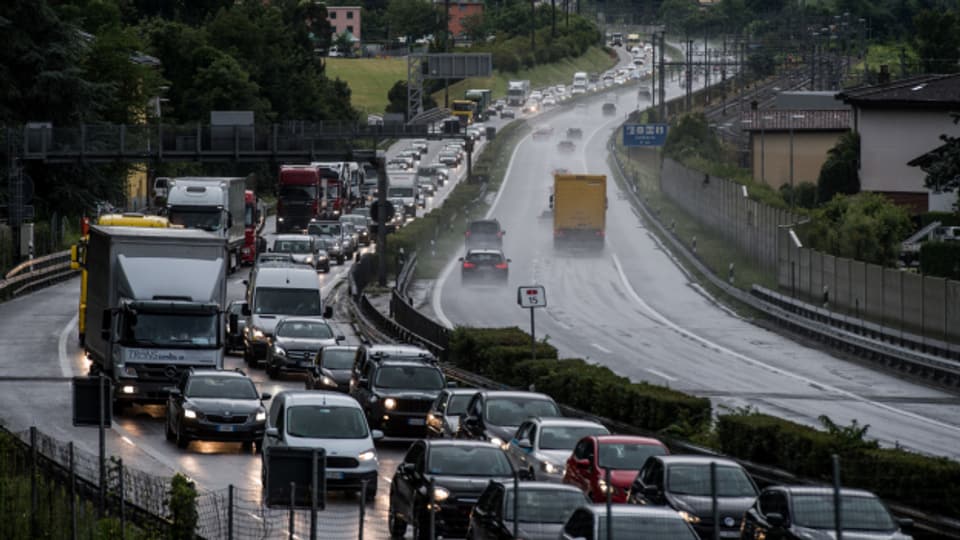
{"x":211,"y":204}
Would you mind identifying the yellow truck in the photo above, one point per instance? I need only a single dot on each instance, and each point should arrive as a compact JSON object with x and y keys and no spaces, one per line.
{"x":579,"y":204}
{"x":78,"y":252}
{"x":465,"y":110}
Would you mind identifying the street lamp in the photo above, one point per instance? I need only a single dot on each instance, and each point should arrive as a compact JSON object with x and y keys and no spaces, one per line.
{"x":792,"y":194}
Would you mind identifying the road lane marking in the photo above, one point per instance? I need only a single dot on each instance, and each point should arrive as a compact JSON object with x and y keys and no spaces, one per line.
{"x":65,"y":368}
{"x":601,"y":348}
{"x":661,"y":374}
{"x":758,"y":363}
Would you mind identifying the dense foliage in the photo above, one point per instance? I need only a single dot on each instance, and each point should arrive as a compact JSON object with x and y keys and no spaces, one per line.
{"x":866,"y":227}
{"x":943,"y":169}
{"x":840,"y":172}
{"x":940,"y":259}
{"x":691,"y":136}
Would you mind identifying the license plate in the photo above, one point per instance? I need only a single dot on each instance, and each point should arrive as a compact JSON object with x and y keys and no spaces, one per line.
{"x":305,"y":363}
{"x":417,"y":422}
{"x":334,"y":475}
{"x":226,"y":428}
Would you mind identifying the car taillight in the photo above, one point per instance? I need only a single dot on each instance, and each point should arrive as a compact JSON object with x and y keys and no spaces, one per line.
{"x":599,"y":233}
{"x":467,"y":234}
{"x":501,"y":266}
{"x":557,"y":232}
{"x":469,"y":265}
{"x":499,"y":234}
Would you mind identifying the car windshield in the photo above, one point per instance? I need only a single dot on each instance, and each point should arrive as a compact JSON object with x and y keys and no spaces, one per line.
{"x":221,"y":388}
{"x":338,"y":358}
{"x":543,"y":505}
{"x":304,"y":329}
{"x":484,"y":227}
{"x":468,"y":461}
{"x":292,"y":246}
{"x":179,"y":330}
{"x":512,"y":411}
{"x":236,"y":308}
{"x":816,"y":511}
{"x":694,"y":479}
{"x":458,"y":404}
{"x":673,"y":528}
{"x":354,"y":220}
{"x":191,"y":218}
{"x":327,"y":241}
{"x":317,"y":229}
{"x":627,"y":456}
{"x":298,"y":193}
{"x":326,"y":422}
{"x":410,"y":378}
{"x":566,"y":437}
{"x":400,"y":192}
{"x":277,"y":301}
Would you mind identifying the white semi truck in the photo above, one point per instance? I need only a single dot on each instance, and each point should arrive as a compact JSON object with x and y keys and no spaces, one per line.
{"x":155,"y":300}
{"x":518,"y":92}
{"x":211,"y":204}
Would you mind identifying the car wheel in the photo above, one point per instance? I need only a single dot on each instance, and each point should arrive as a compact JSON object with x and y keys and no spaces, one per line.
{"x":423,"y":526}
{"x":168,"y":432}
{"x":272,"y":371}
{"x":248,"y":357}
{"x":397,"y":526}
{"x":246,"y":446}
{"x":371,"y":493}
{"x":257,"y":447}
{"x":182,"y":440}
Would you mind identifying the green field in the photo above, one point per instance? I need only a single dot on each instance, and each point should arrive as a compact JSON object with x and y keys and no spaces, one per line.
{"x":371,"y":78}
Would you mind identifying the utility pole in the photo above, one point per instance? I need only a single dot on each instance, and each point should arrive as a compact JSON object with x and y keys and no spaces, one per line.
{"x":723,"y":74}
{"x":446,"y":48}
{"x":689,"y":81}
{"x":663,"y":93}
{"x":706,"y":64}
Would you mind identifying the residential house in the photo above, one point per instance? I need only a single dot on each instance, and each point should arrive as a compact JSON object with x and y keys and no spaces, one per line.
{"x":898,"y":122}
{"x":459,"y":10}
{"x":345,"y":19}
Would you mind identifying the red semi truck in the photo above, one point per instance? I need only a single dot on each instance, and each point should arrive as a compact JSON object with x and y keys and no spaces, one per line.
{"x":298,"y":197}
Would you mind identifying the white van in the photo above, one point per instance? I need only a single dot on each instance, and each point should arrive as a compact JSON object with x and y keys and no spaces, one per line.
{"x":580,"y":81}
{"x":274,"y":291}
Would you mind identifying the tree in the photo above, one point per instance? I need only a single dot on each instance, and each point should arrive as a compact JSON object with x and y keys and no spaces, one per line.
{"x":224,"y":85}
{"x":413,"y":19}
{"x":938,"y":40}
{"x":398,"y":99}
{"x":344,"y":43}
{"x":866,"y":227}
{"x":943,"y":167}
{"x":475,"y":27}
{"x":839,"y":172}
{"x":692,"y":137}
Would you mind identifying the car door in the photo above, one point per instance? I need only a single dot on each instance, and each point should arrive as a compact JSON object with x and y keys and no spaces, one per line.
{"x":405,"y":482}
{"x":471,"y":427}
{"x":520,"y":454}
{"x":579,"y":475}
{"x":769,"y":502}
{"x":483,"y":523}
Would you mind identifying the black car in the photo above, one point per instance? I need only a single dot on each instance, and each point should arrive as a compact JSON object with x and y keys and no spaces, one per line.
{"x":495,"y":415}
{"x":235,"y":326}
{"x":481,"y":264}
{"x":396,"y":395}
{"x":683,"y":484}
{"x":332,"y":368}
{"x":566,"y":146}
{"x":215,"y":405}
{"x":508,"y":113}
{"x":484,"y":233}
{"x":543,"y":508}
{"x":574,"y":133}
{"x":443,"y":418}
{"x":379,"y":352}
{"x":609,"y":109}
{"x":459,"y":471}
{"x":799,"y":512}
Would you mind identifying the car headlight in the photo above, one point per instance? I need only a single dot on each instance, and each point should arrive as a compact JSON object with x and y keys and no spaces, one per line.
{"x":688,"y":517}
{"x":322,"y":258}
{"x":257,"y":334}
{"x":440,"y":494}
{"x":189,"y":413}
{"x":279,"y":351}
{"x":497,"y":441}
{"x":389,"y":404}
{"x":604,"y":488}
{"x":550,"y":468}
{"x":261,"y":416}
{"x":327,"y":381}
{"x":309,"y":259}
{"x":367,"y":455}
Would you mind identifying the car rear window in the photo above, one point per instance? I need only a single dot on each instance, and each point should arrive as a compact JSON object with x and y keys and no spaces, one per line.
{"x":484,"y":257}
{"x":484,"y":227}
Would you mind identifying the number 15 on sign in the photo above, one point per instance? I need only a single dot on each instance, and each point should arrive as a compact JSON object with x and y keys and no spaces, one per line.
{"x":532,"y":297}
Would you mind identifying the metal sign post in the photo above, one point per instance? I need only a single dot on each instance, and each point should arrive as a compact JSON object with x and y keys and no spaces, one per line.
{"x":532,"y":297}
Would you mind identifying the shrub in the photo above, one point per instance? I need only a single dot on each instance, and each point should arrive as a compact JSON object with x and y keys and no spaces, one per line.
{"x":506,"y":60}
{"x":941,"y":259}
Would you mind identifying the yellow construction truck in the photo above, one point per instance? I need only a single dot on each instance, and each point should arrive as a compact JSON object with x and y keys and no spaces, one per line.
{"x":78,"y":252}
{"x":579,"y":204}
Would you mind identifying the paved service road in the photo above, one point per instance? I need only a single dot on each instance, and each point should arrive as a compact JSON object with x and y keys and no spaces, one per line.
{"x":632,"y":309}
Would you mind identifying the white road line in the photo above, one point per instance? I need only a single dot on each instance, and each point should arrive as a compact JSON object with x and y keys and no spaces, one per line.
{"x":656,"y":315}
{"x":661,"y":374}
{"x":127,"y":440}
{"x":65,"y":368}
{"x":601,"y":348}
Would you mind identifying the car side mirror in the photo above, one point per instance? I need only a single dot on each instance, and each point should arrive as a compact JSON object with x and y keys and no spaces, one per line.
{"x":175,"y":392}
{"x":245,"y":309}
{"x":341,"y":337}
{"x":582,"y":463}
{"x":651,"y":493}
{"x":270,"y":249}
{"x":775,"y":520}
{"x":272,"y":432}
{"x":460,"y":259}
{"x":906,"y":525}
{"x":408,"y":468}
{"x":328,"y":312}
{"x":509,"y":260}
{"x":525,"y":474}
{"x":376,"y":435}
{"x":265,"y":396}
{"x":451,"y":384}
{"x":524,"y":443}
{"x":363,"y":381}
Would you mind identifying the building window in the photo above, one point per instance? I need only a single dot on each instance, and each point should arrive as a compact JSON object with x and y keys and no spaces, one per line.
{"x":349,"y":14}
{"x":333,"y":14}
{"x":350,"y":28}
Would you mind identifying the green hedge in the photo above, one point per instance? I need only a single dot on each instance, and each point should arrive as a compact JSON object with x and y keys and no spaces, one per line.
{"x":941,"y":259}
{"x":503,"y":354}
{"x":946,"y":219}
{"x":893,"y":474}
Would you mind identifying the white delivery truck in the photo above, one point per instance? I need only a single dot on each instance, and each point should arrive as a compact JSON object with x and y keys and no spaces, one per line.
{"x":405,"y":189}
{"x":215,"y":204}
{"x":580,"y":81}
{"x":517,"y":92}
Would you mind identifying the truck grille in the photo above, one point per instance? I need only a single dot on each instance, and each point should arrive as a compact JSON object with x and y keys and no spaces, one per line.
{"x":150,"y":373}
{"x":342,"y":462}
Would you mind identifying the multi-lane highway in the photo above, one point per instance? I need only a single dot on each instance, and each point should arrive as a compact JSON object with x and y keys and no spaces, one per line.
{"x":634,"y":310}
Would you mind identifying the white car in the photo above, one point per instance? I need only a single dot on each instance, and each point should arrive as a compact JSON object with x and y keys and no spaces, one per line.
{"x":542,"y":445}
{"x":330,"y":420}
{"x":536,"y":95}
{"x":549,"y":101}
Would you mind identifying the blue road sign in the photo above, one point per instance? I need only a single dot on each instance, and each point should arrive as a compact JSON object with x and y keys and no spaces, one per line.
{"x":644,"y":134}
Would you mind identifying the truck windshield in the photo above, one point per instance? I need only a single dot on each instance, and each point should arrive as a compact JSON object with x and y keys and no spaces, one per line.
{"x":207,"y":219}
{"x":276,"y":301}
{"x":170,"y":329}
{"x":298,"y":193}
{"x":400,"y":192}
{"x":248,"y":213}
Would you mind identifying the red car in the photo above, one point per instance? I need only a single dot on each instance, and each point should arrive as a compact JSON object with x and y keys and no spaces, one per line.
{"x":622,"y":454}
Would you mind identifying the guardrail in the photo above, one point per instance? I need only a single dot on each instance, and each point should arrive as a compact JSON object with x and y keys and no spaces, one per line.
{"x":34,"y":273}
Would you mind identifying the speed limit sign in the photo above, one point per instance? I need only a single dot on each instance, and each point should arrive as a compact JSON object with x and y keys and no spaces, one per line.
{"x":532,"y":296}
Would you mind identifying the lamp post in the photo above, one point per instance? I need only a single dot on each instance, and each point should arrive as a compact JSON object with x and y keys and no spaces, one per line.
{"x":792,"y":194}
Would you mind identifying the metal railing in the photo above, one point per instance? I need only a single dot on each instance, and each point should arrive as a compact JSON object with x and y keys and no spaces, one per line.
{"x":35,"y":273}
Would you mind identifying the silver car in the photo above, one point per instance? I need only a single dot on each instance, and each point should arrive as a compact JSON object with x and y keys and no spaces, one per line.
{"x":332,"y":246}
{"x":332,"y":421}
{"x":300,"y":247}
{"x":542,"y":445}
{"x":296,"y":341}
{"x":350,"y":238}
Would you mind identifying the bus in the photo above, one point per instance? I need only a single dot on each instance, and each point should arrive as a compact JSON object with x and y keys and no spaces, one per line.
{"x":465,"y":110}
{"x":633,"y":40}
